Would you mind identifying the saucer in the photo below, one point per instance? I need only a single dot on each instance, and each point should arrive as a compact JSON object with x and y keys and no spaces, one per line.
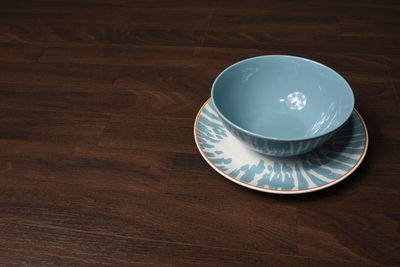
{"x":327,"y":165}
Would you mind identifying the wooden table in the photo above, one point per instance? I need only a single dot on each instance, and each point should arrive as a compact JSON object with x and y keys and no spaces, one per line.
{"x":98,"y":164}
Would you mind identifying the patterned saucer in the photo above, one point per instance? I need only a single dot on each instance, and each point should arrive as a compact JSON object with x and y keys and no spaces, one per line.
{"x":318,"y":169}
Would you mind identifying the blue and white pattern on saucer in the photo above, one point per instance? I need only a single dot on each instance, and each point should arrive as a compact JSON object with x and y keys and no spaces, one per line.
{"x":312,"y":171}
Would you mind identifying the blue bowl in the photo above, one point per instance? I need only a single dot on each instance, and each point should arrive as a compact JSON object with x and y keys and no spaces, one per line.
{"x":282,"y":105}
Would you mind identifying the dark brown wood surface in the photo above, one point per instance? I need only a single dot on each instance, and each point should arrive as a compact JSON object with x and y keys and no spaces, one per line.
{"x":98,"y":164}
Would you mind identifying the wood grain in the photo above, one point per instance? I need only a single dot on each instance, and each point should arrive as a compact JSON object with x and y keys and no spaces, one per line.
{"x":104,"y":99}
{"x":54,"y":127}
{"x":44,"y":245}
{"x":149,"y":133}
{"x":38,"y":33}
{"x":318,"y":27}
{"x":119,"y":22}
{"x":88,"y":166}
{"x":393,"y":64}
{"x":365,"y":230}
{"x":192,"y":176}
{"x":185,"y":78}
{"x":59,"y":73}
{"x":119,"y":55}
{"x":333,"y":263}
{"x":98,"y":166}
{"x":125,"y":211}
{"x":20,"y":52}
{"x":101,"y":99}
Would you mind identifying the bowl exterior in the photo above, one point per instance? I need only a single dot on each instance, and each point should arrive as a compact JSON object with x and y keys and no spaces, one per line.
{"x":277,"y":148}
{"x":288,"y":93}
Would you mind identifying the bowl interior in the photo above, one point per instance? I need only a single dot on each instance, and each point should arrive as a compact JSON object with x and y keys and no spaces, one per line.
{"x":283,"y":97}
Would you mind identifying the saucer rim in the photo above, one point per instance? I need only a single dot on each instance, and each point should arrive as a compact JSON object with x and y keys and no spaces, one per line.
{"x":275,"y":191}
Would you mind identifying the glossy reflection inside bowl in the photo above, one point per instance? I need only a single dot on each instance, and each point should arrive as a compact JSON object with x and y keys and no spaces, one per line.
{"x":282,"y":97}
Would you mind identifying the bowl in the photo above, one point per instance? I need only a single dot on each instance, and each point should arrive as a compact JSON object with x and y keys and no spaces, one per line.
{"x":282,"y":105}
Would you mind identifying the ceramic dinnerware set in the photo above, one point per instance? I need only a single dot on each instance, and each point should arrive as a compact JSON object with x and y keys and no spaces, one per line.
{"x":281,"y":124}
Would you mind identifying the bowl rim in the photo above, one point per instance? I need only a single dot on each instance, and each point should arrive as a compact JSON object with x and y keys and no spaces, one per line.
{"x":276,"y":138}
